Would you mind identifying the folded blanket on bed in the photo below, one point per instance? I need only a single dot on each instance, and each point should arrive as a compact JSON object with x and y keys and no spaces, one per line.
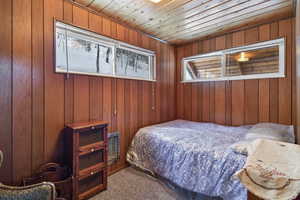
{"x":272,"y":170}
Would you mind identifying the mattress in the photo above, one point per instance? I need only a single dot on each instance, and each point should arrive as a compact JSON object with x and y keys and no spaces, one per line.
{"x":195,"y":156}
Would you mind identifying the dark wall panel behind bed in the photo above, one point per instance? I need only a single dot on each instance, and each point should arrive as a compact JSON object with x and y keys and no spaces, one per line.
{"x":242,"y":101}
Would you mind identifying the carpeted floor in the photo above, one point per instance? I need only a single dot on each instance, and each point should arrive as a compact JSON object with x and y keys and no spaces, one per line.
{"x":132,"y":184}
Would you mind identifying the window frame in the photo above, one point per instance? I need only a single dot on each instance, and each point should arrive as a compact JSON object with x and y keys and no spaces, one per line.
{"x":151,"y":58}
{"x":92,"y":40}
{"x":281,"y":42}
{"x":94,"y":37}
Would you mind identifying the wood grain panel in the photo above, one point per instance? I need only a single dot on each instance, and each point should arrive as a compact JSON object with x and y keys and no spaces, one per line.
{"x":140,"y":105}
{"x":54,"y":90}
{"x":228,"y":106}
{"x":107,"y":101}
{"x":163,"y":85}
{"x":114,"y":105}
{"x":133,"y":108}
{"x":94,"y":23}
{"x":274,"y":83}
{"x":170,"y":82}
{"x":205,"y":102}
{"x":251,"y":86}
{"x":113,"y":30}
{"x":22,"y":90}
{"x":127,"y":114}
{"x":220,"y":102}
{"x":297,"y":86}
{"x":285,"y":84}
{"x":6,"y":92}
{"x":264,"y":85}
{"x":167,"y":82}
{"x":96,"y":98}
{"x":264,"y":99}
{"x":121,"y":118}
{"x":251,"y":101}
{"x":238,"y":106}
{"x":146,"y":103}
{"x":158,"y":83}
{"x":106,"y":26}
{"x":68,"y":12}
{"x":37,"y":84}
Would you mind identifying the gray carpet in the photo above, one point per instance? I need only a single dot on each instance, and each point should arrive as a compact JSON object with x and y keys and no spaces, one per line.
{"x":132,"y":184}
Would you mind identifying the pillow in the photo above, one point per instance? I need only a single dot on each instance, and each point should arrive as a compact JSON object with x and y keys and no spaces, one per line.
{"x":270,"y":131}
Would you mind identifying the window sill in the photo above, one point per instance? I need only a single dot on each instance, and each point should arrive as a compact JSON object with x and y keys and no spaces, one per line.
{"x":103,"y":75}
{"x":245,"y":77}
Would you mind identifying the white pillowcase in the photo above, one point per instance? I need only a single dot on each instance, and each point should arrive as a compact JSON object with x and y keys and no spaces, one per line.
{"x":269,"y":131}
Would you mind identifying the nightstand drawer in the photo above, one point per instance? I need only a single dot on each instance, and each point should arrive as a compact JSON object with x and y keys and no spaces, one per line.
{"x":91,"y":170}
{"x":91,"y":159}
{"x":90,"y":183}
{"x":91,"y":136}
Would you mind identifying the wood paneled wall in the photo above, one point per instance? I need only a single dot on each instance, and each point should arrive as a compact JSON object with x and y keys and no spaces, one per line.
{"x":297,"y":22}
{"x":242,"y":101}
{"x":36,"y":102}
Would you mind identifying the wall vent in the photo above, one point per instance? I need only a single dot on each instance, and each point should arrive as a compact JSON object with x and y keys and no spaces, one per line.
{"x":113,"y":147}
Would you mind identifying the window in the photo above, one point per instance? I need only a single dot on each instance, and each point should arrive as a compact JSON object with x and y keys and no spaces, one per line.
{"x":133,"y":63}
{"x":83,"y":52}
{"x":261,"y":60}
{"x":206,"y":67}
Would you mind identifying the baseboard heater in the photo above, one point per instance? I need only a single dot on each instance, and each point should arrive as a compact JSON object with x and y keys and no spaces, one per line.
{"x":113,"y":147}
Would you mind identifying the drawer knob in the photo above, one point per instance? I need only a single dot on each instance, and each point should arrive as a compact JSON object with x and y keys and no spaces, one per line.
{"x":93,"y":127}
{"x":92,"y":173}
{"x":92,"y":150}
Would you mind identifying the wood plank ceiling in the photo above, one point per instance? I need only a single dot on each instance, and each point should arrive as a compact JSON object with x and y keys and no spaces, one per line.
{"x":179,"y":21}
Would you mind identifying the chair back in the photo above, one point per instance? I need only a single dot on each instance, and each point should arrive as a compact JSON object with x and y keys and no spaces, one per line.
{"x":1,"y":158}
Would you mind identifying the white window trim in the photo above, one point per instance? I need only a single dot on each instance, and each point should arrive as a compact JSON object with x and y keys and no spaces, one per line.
{"x":151,"y":56}
{"x":89,"y":39}
{"x":105,"y":41}
{"x":281,"y":74}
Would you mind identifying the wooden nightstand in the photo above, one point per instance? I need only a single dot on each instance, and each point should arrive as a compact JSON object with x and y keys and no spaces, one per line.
{"x":86,"y":154}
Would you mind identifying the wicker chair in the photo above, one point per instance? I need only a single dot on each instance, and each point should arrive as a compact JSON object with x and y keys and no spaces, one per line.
{"x":41,"y":191}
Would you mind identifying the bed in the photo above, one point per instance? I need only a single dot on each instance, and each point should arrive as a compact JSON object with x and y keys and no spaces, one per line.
{"x":195,"y":156}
